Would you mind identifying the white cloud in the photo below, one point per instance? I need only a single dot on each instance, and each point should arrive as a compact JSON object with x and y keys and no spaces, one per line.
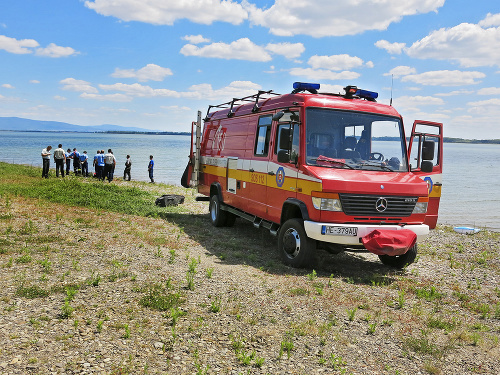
{"x":34,"y":81}
{"x":289,"y":50}
{"x":392,"y":48}
{"x":71,"y":84}
{"x":445,"y":78}
{"x":241,"y":49}
{"x":489,"y":91}
{"x":470,"y":45}
{"x":138,"y":90}
{"x":195,"y":39}
{"x":418,"y":100}
{"x":400,"y":71}
{"x":12,"y":45}
{"x":7,"y":86}
{"x":234,"y":90}
{"x":321,"y":74}
{"x":320,"y":18}
{"x":55,"y":51}
{"x":490,"y":20}
{"x":485,"y":108}
{"x":166,"y":12}
{"x":334,"y":89}
{"x":335,"y":62}
{"x":176,"y":108}
{"x":109,"y":98}
{"x":456,"y":93}
{"x":60,"y":98}
{"x":150,"y":72}
{"x":26,"y":46}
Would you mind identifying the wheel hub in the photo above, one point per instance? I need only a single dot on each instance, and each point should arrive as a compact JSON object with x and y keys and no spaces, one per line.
{"x":291,"y":243}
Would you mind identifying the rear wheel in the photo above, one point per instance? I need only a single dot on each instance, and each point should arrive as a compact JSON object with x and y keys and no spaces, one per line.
{"x":400,"y":261}
{"x":296,"y":249}
{"x":218,"y":217}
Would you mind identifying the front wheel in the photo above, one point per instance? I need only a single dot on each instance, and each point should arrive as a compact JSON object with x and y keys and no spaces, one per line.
{"x":400,"y":261}
{"x":296,"y":249}
{"x":218,"y":217}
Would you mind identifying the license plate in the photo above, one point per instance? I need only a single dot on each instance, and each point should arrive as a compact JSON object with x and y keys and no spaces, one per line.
{"x":339,"y":231}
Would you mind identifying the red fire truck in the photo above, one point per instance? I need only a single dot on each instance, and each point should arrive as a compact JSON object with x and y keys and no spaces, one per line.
{"x":319,"y":171}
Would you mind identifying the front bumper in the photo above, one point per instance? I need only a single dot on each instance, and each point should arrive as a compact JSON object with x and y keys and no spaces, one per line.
{"x":315,"y":231}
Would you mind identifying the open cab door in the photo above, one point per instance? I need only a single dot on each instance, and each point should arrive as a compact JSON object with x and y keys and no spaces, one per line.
{"x":426,"y":160}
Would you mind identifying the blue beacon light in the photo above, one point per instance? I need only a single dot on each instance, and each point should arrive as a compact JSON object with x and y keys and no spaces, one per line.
{"x":305,"y":86}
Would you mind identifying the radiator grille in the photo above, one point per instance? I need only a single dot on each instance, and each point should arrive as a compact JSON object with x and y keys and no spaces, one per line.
{"x":366,"y":205}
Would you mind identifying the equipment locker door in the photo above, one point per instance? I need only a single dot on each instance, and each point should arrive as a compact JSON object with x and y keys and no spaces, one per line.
{"x":426,"y":146}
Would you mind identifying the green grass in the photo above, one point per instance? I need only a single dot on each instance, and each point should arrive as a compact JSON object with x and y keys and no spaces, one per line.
{"x":25,"y":181}
{"x":159,"y":298}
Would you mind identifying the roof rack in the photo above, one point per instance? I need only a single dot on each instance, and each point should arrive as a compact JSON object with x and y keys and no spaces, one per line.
{"x":239,"y":101}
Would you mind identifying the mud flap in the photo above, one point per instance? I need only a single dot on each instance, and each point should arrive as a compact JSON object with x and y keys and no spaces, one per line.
{"x":389,"y":242}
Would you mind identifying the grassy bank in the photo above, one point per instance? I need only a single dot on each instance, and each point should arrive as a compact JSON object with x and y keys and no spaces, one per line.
{"x":94,"y":278}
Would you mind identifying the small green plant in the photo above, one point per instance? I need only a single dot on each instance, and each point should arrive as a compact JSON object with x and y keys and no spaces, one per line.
{"x":46,"y":265}
{"x":158,"y":253}
{"x":94,"y":279}
{"x":33,"y":291}
{"x":336,"y":361}
{"x":190,"y":280}
{"x":286,"y":345}
{"x":351,"y":313}
{"x":71,"y":292}
{"x":66,"y":310}
{"x":100,"y":323}
{"x":216,"y":304}
{"x":371,"y":328}
{"x":312,"y":276}
{"x":209,"y":272}
{"x":429,"y":294}
{"x":23,"y":259}
{"x":175,"y":314}
{"x":401,"y":299}
{"x":172,"y":256}
{"x":245,"y":358}
{"x":126,"y":335}
{"x":159,"y":298}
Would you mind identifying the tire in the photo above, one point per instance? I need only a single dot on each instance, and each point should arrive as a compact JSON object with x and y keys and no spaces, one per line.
{"x":296,"y":249}
{"x":400,"y":261}
{"x":218,"y":217}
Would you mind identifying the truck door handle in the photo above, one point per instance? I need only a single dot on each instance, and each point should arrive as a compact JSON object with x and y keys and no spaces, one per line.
{"x":270,"y":173}
{"x":251,"y":170}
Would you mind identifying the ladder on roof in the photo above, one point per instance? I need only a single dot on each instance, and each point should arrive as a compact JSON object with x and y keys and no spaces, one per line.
{"x":261,"y":95}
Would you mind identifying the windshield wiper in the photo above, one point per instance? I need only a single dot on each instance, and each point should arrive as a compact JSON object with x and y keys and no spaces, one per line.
{"x":381,"y":166}
{"x":344,"y":164}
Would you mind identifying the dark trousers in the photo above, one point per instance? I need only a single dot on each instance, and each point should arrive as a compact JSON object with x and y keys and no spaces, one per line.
{"x":68,"y":165}
{"x":76,"y":165}
{"x":109,"y":170}
{"x":85,"y":168}
{"x":59,"y":167}
{"x":126,"y":173}
{"x":45,"y":168}
{"x":151,"y":175}
{"x":99,"y":171}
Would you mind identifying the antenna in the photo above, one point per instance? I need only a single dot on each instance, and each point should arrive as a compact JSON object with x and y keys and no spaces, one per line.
{"x":392,"y":84}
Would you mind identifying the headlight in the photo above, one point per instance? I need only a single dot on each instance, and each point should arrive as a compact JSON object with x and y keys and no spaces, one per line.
{"x":326,"y":204}
{"x":420,"y":208}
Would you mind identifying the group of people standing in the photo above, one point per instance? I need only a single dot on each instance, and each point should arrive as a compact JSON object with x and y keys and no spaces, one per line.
{"x":104,"y":164}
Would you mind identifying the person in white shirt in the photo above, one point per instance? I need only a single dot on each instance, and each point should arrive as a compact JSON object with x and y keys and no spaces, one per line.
{"x":46,"y":161}
{"x":109,"y":165}
{"x":59,"y":159}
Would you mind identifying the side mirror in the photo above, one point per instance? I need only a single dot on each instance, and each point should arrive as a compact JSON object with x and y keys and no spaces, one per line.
{"x":278,"y":115}
{"x":426,"y":166}
{"x":428,"y":150}
{"x":283,"y":156}
{"x":284,"y":139}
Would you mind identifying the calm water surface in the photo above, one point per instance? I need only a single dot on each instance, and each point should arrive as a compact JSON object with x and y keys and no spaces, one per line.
{"x":471,"y":182}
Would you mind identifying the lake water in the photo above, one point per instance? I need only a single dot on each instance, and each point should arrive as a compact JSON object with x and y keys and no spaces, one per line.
{"x":471,"y":182}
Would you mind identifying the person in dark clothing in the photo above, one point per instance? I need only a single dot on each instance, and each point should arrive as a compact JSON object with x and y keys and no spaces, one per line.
{"x":128,"y":166}
{"x":46,"y":161}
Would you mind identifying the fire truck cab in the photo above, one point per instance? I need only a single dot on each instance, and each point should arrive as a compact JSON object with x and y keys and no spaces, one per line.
{"x":320,"y":171}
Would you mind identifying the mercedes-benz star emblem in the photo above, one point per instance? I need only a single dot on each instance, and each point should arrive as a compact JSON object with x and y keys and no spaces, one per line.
{"x":381,"y":204}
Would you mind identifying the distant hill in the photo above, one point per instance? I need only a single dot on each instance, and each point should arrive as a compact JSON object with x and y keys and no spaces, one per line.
{"x":23,"y":124}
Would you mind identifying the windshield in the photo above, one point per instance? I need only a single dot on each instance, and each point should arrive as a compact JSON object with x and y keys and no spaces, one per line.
{"x":354,"y":140}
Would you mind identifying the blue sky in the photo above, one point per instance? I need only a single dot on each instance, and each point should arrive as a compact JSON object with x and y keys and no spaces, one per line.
{"x":154,"y":63}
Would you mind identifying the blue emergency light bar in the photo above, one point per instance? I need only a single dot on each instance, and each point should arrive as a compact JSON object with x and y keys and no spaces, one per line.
{"x":305,"y":86}
{"x":368,"y":95}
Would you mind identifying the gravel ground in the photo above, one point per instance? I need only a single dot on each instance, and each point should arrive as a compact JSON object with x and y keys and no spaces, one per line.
{"x":87,"y":292}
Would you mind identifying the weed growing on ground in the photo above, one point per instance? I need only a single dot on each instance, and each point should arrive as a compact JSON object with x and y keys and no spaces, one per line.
{"x":216,"y":304}
{"x":286,"y":345}
{"x":351,"y":313}
{"x":159,"y":298}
